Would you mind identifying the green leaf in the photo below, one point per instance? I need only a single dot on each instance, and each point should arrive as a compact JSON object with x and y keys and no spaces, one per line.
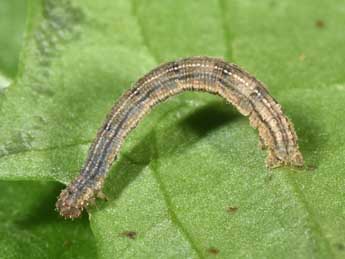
{"x":12,"y":23}
{"x":191,"y":181}
{"x":30,"y":227}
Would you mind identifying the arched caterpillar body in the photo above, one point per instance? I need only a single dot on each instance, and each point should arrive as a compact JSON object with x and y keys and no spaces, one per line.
{"x":206,"y":74}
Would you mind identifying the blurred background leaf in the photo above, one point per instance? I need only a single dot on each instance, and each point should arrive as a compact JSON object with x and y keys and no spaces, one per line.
{"x":12,"y":25}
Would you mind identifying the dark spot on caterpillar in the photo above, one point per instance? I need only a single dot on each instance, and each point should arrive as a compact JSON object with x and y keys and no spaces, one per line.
{"x":129,"y":234}
{"x":213,"y":251}
{"x":175,"y":67}
{"x":232,"y":210}
{"x":106,"y":128}
{"x":220,"y":66}
{"x":320,"y":24}
{"x":134,"y":91}
{"x":258,"y":94}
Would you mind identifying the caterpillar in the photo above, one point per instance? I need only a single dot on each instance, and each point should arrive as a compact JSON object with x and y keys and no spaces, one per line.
{"x":206,"y":74}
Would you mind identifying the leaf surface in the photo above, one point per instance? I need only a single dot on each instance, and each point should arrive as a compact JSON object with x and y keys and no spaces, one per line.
{"x":191,"y":181}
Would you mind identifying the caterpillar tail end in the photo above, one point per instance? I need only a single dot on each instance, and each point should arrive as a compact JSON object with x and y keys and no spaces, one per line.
{"x":294,"y":159}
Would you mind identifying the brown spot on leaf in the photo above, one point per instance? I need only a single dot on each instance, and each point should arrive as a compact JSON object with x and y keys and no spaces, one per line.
{"x":213,"y":250}
{"x":232,"y":210}
{"x":319,"y":23}
{"x":67,"y":243}
{"x":268,"y":178}
{"x":129,"y":234}
{"x":340,"y":246}
{"x":311,"y":167}
{"x":301,"y":57}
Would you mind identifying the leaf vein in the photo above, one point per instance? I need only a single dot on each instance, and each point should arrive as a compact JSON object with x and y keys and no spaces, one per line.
{"x":316,"y":225}
{"x":53,"y":148}
{"x":169,"y":204}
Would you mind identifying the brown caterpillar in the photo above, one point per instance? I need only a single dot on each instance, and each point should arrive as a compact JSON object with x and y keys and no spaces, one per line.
{"x":206,"y":74}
